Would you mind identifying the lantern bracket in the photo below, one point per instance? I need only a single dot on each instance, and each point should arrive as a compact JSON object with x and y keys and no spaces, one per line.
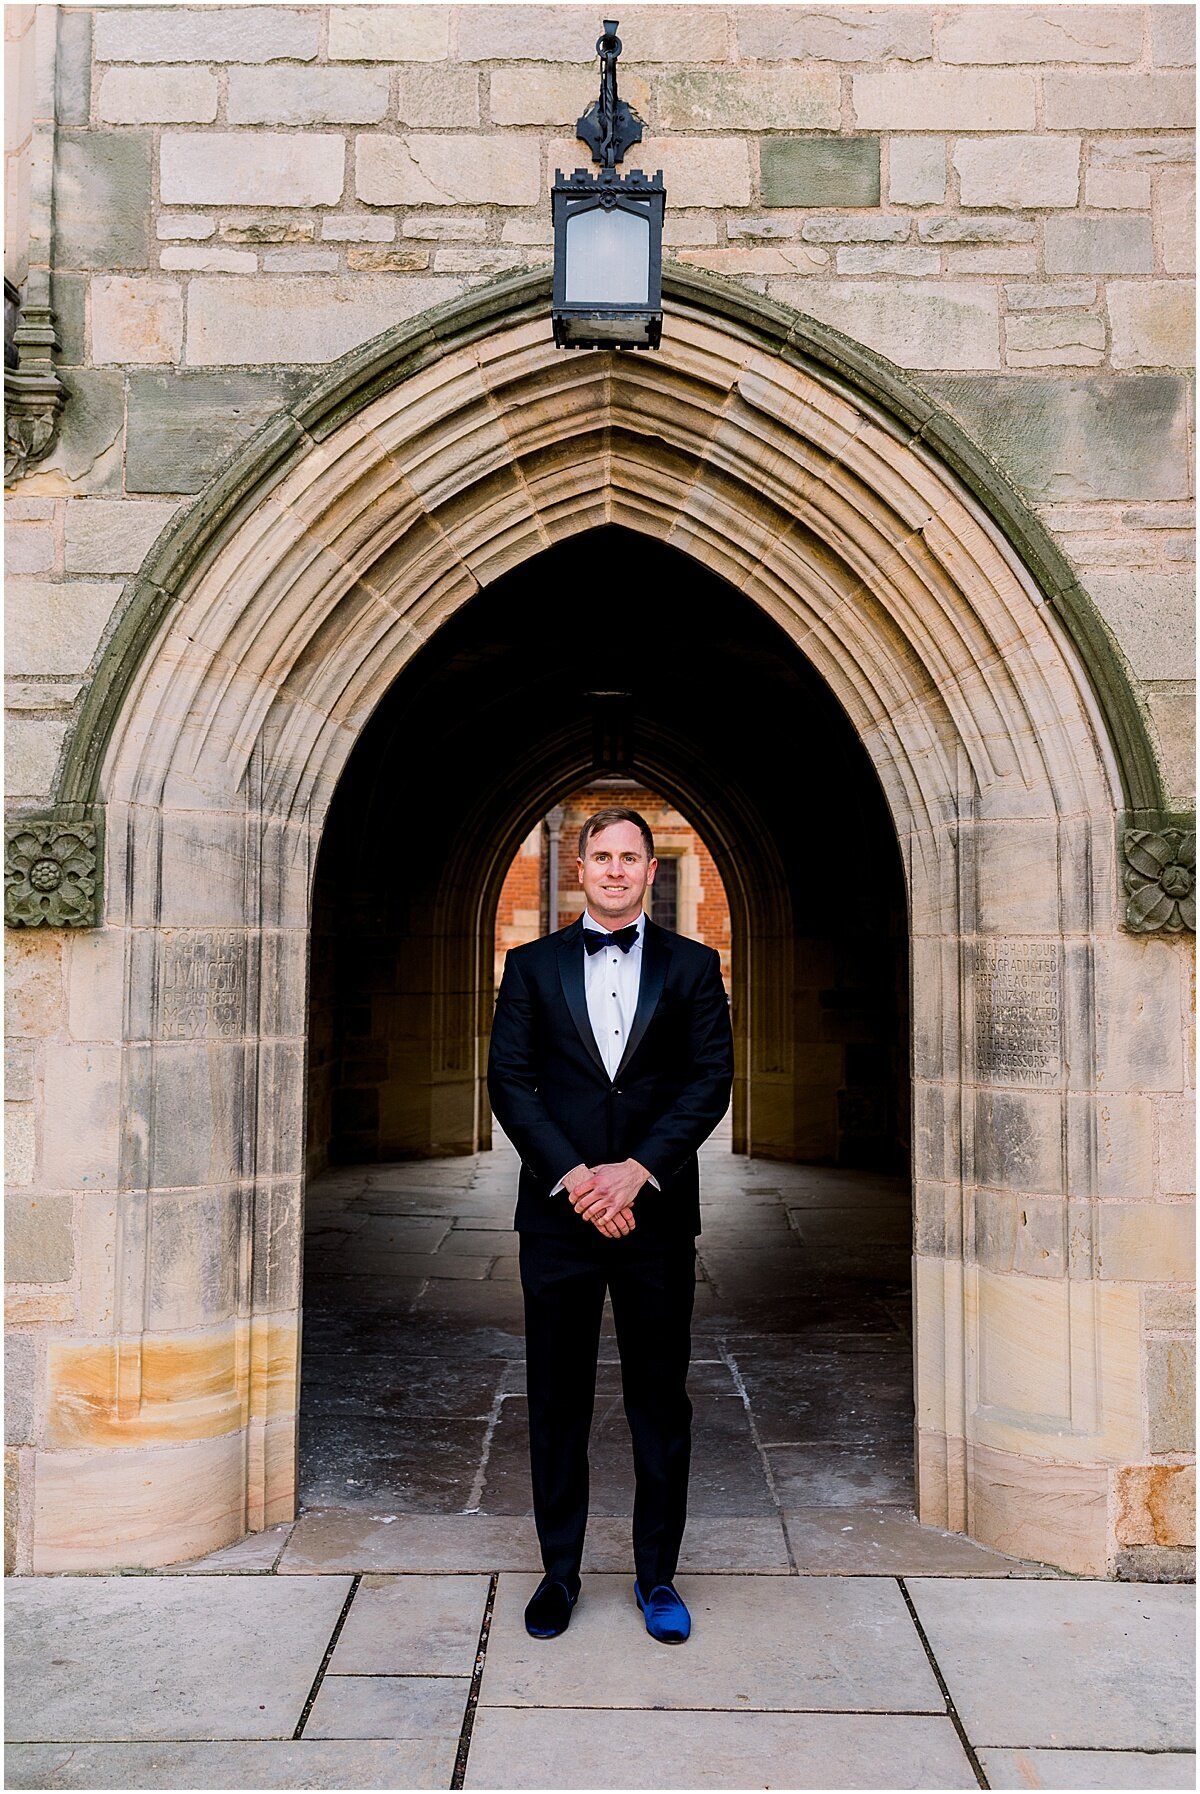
{"x":610,"y":126}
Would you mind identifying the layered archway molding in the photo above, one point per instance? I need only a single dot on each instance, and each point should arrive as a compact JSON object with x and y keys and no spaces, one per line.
{"x":264,"y":629}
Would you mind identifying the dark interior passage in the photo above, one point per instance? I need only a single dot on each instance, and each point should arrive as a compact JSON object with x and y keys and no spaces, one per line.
{"x":608,"y":660}
{"x":608,"y":655}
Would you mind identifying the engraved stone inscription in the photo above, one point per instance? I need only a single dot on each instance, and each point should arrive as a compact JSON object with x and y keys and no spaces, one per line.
{"x":1018,"y":1016}
{"x":202,"y":985}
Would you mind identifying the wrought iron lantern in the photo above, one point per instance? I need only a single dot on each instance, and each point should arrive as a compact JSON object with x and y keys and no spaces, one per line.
{"x":608,"y":230}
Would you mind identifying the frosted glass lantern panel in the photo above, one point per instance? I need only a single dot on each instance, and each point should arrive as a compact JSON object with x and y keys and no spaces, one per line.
{"x":608,"y":257}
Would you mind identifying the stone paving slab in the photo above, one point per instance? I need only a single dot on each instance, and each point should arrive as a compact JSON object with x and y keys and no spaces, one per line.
{"x":513,"y":1748}
{"x":344,"y":1540}
{"x":255,"y":1555}
{"x":771,"y":1643}
{"x":266,"y":1764}
{"x":411,"y":1625}
{"x":1089,"y":1769}
{"x":842,"y":1541}
{"x":389,"y":1707}
{"x":148,"y":1657}
{"x":1078,"y":1665}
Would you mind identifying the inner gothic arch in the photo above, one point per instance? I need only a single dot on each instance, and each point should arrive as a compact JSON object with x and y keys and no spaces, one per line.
{"x":259,"y":639}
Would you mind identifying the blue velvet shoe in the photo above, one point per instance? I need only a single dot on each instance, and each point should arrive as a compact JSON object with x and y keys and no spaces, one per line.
{"x":549,"y":1610}
{"x":667,"y":1619}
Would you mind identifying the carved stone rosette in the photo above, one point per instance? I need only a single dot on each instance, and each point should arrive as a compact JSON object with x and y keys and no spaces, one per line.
{"x":50,"y":873}
{"x":1160,"y":877}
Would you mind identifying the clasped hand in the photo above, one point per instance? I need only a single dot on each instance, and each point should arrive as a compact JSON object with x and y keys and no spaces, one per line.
{"x":604,"y":1194}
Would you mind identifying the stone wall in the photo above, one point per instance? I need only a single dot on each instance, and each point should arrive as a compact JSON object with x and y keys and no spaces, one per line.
{"x":998,"y":198}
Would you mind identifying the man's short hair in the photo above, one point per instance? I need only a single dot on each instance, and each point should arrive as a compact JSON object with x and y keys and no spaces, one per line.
{"x":605,"y":818}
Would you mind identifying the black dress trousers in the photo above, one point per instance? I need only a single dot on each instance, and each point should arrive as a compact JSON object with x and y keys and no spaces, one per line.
{"x":653,"y":1286}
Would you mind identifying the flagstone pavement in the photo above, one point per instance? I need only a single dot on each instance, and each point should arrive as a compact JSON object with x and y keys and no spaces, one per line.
{"x":377,"y":1641}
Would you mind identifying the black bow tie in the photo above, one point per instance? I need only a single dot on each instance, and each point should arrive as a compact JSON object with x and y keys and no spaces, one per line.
{"x":621,"y":937}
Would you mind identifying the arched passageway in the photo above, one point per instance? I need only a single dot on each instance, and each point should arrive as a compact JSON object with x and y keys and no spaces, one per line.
{"x":258,"y":641}
{"x":607,"y":655}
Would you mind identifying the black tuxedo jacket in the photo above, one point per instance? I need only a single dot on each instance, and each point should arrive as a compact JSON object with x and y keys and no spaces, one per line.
{"x":554,"y":1099}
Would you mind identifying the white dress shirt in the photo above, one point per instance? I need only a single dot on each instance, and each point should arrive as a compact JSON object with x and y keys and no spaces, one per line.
{"x":611,"y":982}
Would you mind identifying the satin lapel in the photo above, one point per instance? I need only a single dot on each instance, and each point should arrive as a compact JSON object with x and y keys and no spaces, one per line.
{"x":655,"y":954}
{"x":570,"y":971}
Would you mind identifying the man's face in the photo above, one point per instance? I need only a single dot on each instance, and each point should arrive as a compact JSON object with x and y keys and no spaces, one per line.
{"x":615,"y":873}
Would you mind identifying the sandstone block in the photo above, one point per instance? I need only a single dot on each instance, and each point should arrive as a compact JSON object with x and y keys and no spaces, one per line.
{"x":85,"y":1083}
{"x":538,"y":231}
{"x":183,"y":425}
{"x":1002,"y":34}
{"x":1019,"y":172}
{"x":38,"y":1247}
{"x":1173,"y":36}
{"x":1171,"y":1389}
{"x":1177,"y":1145}
{"x":233,"y":322}
{"x":73,"y":68}
{"x":33,"y":984}
{"x":943,"y":99}
{"x":19,"y":1070}
{"x":1147,"y":1242}
{"x":137,"y":320}
{"x":1142,"y":152}
{"x":1153,"y":323}
{"x":976,"y":230}
{"x":889,"y":258}
{"x":698,"y":171}
{"x":447,"y":171}
{"x":158,"y":96}
{"x":102,"y":199}
{"x":541,"y":94}
{"x":464,"y":258}
{"x":748,"y":100}
{"x":917,"y":171}
{"x":233,"y":169}
{"x":1119,"y":102}
{"x":1118,"y":189}
{"x":881,"y":229}
{"x":1169,"y":1310}
{"x":835,"y":33}
{"x":820,"y":171}
{"x":558,"y":34}
{"x":953,"y":325}
{"x":1139,"y":1034}
{"x":208,"y":259}
{"x":112,"y":535}
{"x":31,"y":750}
{"x":1175,"y":207}
{"x":992,"y":261}
{"x":28,"y":547}
{"x":1173,"y":726}
{"x":781,"y":258}
{"x":389,"y":33}
{"x":358,"y":227}
{"x":20,"y":1150}
{"x":297,"y":260}
{"x":1114,"y":245}
{"x":432,"y":95}
{"x":21,"y":1355}
{"x":208,"y":34}
{"x":55,"y":627}
{"x":441,"y":227}
{"x":1089,"y":437}
{"x":268,"y":230}
{"x":1151,"y":614}
{"x":1156,"y":1504}
{"x":189,"y":226}
{"x":396,"y":258}
{"x":1054,"y":338}
{"x":306,"y":96}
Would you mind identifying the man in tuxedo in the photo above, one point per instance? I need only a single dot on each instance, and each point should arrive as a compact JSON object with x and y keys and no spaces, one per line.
{"x":611,"y":1063}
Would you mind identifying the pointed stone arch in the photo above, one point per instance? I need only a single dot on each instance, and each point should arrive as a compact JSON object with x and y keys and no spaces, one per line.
{"x":262,"y":631}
